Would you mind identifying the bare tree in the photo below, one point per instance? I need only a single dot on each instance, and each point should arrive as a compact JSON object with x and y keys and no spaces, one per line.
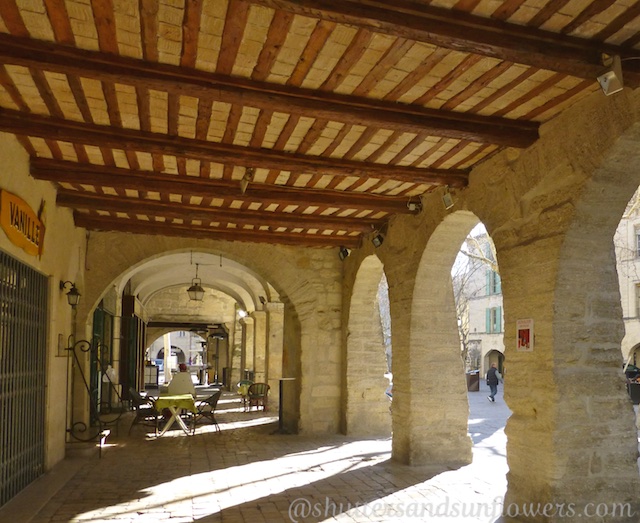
{"x":477,"y":253}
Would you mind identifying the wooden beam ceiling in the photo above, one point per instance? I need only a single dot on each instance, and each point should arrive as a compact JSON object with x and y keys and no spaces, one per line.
{"x":227,"y":154}
{"x":265,"y":96}
{"x":126,"y":179}
{"x":465,"y":32}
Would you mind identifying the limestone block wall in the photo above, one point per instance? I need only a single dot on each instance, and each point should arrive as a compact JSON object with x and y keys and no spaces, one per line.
{"x":366,"y":409}
{"x":62,"y":259}
{"x":552,"y":212}
{"x":308,"y":281}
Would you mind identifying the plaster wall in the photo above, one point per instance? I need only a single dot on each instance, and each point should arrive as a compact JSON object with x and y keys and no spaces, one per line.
{"x":62,"y":259}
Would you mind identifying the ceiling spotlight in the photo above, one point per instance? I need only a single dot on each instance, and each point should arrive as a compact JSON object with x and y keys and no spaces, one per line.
{"x":248,"y":177}
{"x":377,"y":240}
{"x":196,"y":292}
{"x":611,"y":79}
{"x":447,"y":199}
{"x":343,"y":253}
{"x":414,"y":206}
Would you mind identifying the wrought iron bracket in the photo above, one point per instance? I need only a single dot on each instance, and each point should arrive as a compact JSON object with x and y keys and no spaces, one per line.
{"x":102,"y":416}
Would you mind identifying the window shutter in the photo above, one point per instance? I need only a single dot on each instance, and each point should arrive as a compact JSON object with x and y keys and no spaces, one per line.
{"x":488,"y":320}
{"x":499,"y":319}
{"x":498,"y":283}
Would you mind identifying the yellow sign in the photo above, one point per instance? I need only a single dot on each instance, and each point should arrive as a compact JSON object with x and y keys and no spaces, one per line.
{"x":21,"y":223}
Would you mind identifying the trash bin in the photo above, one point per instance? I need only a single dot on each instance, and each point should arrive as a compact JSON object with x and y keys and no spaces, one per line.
{"x":473,"y":381}
{"x":634,"y":392}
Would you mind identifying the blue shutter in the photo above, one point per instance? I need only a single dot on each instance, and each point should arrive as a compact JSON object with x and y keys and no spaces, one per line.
{"x":488,"y":320}
{"x":498,"y":284}
{"x":499,"y":319}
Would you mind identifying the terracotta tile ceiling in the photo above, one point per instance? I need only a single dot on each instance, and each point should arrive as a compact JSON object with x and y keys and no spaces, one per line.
{"x":294,"y":122}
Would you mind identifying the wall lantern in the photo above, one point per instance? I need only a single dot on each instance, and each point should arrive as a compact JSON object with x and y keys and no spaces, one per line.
{"x":73,"y":296}
{"x":196,"y":292}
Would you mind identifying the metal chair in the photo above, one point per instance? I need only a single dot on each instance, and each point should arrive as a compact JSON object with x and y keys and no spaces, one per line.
{"x":243,"y":390}
{"x":206,"y":409}
{"x":144,"y":408}
{"x":258,"y":395}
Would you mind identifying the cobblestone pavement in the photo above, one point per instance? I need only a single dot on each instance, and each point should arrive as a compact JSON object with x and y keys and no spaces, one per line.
{"x":249,"y":474}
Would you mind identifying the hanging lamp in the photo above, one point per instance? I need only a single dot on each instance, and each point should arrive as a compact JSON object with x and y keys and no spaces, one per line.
{"x":196,"y":292}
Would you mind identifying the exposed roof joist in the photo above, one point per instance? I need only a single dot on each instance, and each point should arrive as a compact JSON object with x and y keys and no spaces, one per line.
{"x":97,"y":223}
{"x":134,"y":140}
{"x":187,"y":212}
{"x":465,"y":32}
{"x":286,"y":99}
{"x":125,"y":179}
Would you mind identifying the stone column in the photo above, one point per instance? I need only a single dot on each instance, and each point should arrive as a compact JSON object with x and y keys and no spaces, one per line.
{"x":275,"y":346}
{"x":260,"y":345}
{"x":430,"y":403}
{"x":248,"y":344}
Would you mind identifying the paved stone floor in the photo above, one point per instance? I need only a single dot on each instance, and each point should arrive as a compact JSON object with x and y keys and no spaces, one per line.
{"x":248,"y":474}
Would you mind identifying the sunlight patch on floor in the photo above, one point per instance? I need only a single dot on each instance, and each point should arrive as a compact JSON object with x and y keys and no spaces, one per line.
{"x":225,"y":488}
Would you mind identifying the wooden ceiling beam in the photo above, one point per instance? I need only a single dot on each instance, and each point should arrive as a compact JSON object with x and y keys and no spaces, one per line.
{"x":270,"y":97}
{"x":468,"y":33}
{"x":60,"y":171}
{"x":96,"y":223}
{"x":133,"y":140}
{"x":185,"y":211}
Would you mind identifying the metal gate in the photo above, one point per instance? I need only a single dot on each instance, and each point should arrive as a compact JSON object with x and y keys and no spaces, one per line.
{"x":23,"y":332}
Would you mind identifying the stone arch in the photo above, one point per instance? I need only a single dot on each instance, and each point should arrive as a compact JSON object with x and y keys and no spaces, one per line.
{"x":552,"y":212}
{"x":494,"y":356}
{"x":634,"y":355}
{"x":311,"y":303}
{"x":585,"y":342}
{"x":367,"y":408}
{"x":434,"y":430}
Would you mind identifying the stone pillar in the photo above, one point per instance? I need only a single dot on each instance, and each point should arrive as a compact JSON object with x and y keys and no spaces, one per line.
{"x":115,"y":354}
{"x":366,"y":407}
{"x":430,"y":403}
{"x":275,"y":346}
{"x":236,"y":354}
{"x":260,"y":345}
{"x":248,"y":344}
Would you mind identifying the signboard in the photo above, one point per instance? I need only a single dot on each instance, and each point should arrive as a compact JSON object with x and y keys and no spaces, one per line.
{"x":524,"y":329}
{"x":22,"y":225}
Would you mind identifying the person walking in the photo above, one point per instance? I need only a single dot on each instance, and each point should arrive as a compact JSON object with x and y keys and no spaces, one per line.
{"x":493,"y":377}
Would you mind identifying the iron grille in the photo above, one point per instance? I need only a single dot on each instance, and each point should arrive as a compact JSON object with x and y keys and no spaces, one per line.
{"x":23,"y":333}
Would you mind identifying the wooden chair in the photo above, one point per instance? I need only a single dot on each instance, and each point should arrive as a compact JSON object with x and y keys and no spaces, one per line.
{"x":144,"y":408}
{"x":206,"y":409}
{"x":258,"y":395}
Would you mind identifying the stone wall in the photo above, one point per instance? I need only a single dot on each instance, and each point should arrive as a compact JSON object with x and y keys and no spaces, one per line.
{"x":552,"y":211}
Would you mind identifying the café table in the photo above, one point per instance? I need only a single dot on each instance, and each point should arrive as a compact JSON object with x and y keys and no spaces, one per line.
{"x":175,"y":404}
